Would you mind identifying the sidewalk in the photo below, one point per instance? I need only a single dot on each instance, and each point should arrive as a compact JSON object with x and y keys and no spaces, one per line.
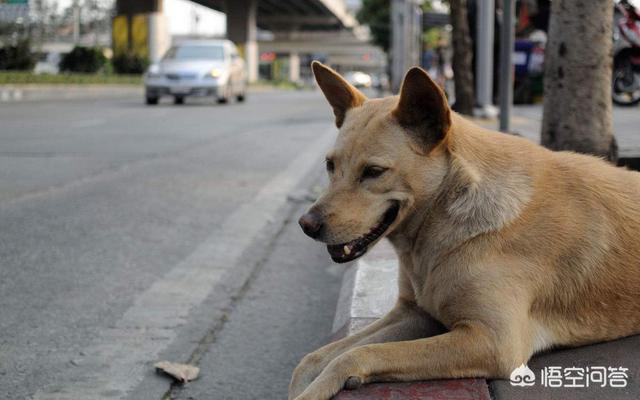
{"x":369,"y":291}
{"x":54,"y":92}
{"x":527,"y":121}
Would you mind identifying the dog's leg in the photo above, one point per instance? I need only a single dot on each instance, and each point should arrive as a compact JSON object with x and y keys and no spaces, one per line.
{"x":469,"y":350}
{"x":404,"y":322}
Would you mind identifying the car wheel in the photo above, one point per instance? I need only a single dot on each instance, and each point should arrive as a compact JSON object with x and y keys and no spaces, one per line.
{"x":178,"y":100}
{"x":151,"y":101}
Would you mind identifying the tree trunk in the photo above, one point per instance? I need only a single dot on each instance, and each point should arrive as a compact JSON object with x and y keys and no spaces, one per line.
{"x":577,"y":80}
{"x":462,"y":57}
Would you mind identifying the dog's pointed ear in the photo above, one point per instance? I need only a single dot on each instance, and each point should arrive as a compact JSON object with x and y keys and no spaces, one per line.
{"x":341,"y":95}
{"x":423,"y":109}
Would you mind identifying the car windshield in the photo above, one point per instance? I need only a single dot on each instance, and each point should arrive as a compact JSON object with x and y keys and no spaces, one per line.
{"x":195,"y":53}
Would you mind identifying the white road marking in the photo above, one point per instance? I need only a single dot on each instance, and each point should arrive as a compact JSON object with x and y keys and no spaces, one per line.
{"x":123,"y":353}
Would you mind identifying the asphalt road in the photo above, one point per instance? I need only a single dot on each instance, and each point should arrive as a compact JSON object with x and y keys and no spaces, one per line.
{"x":131,"y":234}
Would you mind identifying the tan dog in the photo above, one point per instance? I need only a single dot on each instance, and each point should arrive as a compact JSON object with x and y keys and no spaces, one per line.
{"x":514,"y":248}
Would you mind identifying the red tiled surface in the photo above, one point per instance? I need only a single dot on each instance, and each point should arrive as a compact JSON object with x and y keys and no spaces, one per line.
{"x":451,"y":389}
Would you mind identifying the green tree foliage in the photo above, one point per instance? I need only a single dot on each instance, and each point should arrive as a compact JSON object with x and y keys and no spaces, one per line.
{"x":377,"y":15}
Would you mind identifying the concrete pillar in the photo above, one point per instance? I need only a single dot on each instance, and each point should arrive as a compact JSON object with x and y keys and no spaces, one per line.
{"x":159,"y":37}
{"x":242,"y":29}
{"x":140,"y":28}
{"x":294,"y":67}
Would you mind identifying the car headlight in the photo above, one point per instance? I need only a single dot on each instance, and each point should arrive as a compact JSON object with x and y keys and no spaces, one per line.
{"x":214,"y":73}
{"x":153,"y":71}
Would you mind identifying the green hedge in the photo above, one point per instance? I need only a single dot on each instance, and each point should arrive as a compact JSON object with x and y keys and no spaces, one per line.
{"x":83,"y":59}
{"x":129,"y":64}
{"x":22,"y":78}
{"x":17,"y":57}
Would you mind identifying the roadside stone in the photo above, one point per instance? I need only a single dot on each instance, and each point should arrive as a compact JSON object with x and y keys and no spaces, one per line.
{"x":76,"y":362}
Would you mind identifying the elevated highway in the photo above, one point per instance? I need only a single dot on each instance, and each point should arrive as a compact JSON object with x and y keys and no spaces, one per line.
{"x":298,"y":21}
{"x":291,"y":15}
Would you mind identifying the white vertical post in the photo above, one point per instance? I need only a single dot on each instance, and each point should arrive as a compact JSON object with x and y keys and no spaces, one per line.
{"x":251,"y":52}
{"x":506,"y":63}
{"x":484,"y":54}
{"x":398,"y":21}
{"x":76,"y":23}
{"x":294,"y":66}
{"x":406,"y":32}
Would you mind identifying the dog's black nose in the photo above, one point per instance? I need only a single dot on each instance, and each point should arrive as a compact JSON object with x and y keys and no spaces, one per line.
{"x":311,"y":223}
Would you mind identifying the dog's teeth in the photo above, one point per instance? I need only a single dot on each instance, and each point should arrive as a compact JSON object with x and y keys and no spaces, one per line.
{"x":346,"y":249}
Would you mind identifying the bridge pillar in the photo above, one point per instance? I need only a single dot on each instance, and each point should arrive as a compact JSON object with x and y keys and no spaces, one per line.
{"x":140,"y":29}
{"x":242,"y":29}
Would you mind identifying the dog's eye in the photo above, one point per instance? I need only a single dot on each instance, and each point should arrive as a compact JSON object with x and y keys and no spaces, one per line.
{"x":330,"y":166}
{"x":371,"y":172}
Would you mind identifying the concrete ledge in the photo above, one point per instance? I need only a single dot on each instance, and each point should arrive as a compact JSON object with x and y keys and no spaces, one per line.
{"x":369,"y":290}
{"x":54,"y":92}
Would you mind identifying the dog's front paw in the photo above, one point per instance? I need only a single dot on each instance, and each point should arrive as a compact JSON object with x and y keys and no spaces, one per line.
{"x":341,"y":373}
{"x":309,"y":368}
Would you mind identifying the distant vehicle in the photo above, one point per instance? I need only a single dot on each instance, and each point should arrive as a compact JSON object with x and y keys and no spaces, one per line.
{"x":626,"y":60}
{"x":198,"y":68}
{"x":48,"y":63}
{"x":358,"y":79}
{"x":528,"y":61}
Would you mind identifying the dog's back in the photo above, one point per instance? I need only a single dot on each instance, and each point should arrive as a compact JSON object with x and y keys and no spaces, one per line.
{"x":580,"y":231}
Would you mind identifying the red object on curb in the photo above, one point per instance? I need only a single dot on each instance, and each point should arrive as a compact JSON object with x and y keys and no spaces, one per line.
{"x":450,"y":389}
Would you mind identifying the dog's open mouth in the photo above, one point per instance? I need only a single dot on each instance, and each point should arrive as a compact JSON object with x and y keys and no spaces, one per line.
{"x":345,"y":252}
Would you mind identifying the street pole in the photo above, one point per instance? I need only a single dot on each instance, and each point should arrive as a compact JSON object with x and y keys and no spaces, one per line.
{"x":76,"y":23}
{"x":506,"y":64}
{"x":484,"y":52}
{"x":406,"y":32}
{"x":398,"y":21}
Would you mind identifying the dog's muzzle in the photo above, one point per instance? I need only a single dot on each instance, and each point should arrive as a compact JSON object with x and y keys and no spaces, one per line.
{"x":345,"y":252}
{"x":311,"y":224}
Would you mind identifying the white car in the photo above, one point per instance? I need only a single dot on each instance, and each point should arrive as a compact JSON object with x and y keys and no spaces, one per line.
{"x":198,"y":68}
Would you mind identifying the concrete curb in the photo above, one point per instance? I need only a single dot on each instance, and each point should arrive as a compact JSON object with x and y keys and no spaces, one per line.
{"x":10,"y":93}
{"x":16,"y":93}
{"x":369,"y":290}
